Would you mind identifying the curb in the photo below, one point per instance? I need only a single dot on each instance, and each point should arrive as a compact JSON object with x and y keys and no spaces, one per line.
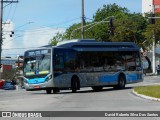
{"x":145,"y":97}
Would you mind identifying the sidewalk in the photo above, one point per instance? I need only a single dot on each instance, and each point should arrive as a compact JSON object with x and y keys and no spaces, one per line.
{"x":151,"y":74}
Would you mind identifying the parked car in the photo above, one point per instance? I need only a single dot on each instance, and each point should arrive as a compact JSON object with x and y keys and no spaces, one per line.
{"x":9,"y":86}
{"x":2,"y":83}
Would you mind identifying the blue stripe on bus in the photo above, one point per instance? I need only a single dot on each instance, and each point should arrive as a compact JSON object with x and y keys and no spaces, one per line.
{"x":114,"y":77}
{"x":36,"y":81}
{"x":108,"y":78}
{"x":132,"y":77}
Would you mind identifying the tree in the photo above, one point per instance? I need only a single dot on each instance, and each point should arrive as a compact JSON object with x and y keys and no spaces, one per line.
{"x":57,"y":38}
{"x":128,"y":27}
{"x":152,"y":29}
{"x":74,"y":32}
{"x":9,"y":74}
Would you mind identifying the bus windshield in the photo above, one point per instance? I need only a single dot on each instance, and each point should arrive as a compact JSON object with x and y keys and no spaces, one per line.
{"x":37,"y":64}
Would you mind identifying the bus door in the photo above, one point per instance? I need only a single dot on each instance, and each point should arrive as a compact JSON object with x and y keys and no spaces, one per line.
{"x":133,"y":66}
{"x":86,"y":60}
{"x":58,"y":67}
{"x":64,"y":66}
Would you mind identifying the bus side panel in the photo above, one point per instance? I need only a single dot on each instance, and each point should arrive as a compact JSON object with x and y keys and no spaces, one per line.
{"x":108,"y":79}
{"x":98,"y":79}
{"x":133,"y":77}
{"x":63,"y":80}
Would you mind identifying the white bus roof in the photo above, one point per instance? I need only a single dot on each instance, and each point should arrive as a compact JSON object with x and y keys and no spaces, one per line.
{"x":75,"y":41}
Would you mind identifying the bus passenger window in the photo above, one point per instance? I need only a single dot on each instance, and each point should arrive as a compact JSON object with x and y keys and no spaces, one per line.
{"x":70,"y":61}
{"x":130,"y":62}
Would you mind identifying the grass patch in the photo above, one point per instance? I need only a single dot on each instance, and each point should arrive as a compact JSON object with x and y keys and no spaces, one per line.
{"x":152,"y":91}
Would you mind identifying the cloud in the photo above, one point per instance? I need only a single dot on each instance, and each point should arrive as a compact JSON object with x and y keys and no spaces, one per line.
{"x":40,"y":37}
{"x":30,"y":39}
{"x":8,"y":27}
{"x":7,"y":31}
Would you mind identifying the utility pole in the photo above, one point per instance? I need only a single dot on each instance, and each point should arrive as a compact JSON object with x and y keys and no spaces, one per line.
{"x":153,"y":55}
{"x":153,"y":48}
{"x":82,"y":19}
{"x":1,"y":21}
{"x":152,"y":21}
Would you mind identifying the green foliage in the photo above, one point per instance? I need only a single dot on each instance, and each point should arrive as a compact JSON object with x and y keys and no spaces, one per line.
{"x":57,"y":38}
{"x":128,"y":27}
{"x":109,"y":10}
{"x":76,"y":34}
{"x":152,"y":29}
{"x":9,"y":74}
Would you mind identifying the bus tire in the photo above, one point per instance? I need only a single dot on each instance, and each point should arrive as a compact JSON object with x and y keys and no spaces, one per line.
{"x":97,"y":88}
{"x":55,"y":91}
{"x":121,"y":82}
{"x":48,"y":91}
{"x":75,"y":85}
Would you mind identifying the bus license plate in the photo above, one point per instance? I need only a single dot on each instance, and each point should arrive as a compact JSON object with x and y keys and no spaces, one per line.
{"x":36,"y":86}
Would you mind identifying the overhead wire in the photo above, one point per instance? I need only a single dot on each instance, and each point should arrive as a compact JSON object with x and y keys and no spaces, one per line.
{"x":7,"y":18}
{"x":9,"y":12}
{"x":8,"y":4}
{"x":6,"y":42}
{"x":14,"y":11}
{"x":39,"y":29}
{"x":46,"y":26}
{"x":21,"y":48}
{"x":32,"y":31}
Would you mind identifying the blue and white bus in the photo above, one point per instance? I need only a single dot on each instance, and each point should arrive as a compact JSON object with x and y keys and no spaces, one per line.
{"x":75,"y":64}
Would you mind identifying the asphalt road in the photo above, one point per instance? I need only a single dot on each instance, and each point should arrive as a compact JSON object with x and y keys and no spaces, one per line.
{"x":85,"y":100}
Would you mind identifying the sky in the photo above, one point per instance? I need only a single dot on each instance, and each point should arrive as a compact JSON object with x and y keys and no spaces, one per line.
{"x":35,"y":22}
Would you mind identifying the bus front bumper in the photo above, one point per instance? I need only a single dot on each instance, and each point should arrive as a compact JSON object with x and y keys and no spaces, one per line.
{"x":40,"y":86}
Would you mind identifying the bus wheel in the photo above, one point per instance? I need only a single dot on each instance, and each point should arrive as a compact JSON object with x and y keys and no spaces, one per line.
{"x":97,"y":88}
{"x":121,"y":82}
{"x":55,"y":91}
{"x":48,"y":91}
{"x":75,"y":85}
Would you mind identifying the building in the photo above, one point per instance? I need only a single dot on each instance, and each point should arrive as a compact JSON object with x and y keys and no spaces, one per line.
{"x":15,"y":62}
{"x":8,"y":61}
{"x":149,"y":6}
{"x":156,"y":4}
{"x":8,"y":66}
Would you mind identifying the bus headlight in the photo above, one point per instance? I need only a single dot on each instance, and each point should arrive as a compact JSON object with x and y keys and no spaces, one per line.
{"x":48,"y":78}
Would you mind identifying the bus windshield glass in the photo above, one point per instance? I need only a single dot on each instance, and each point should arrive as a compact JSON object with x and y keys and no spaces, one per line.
{"x":37,"y":62}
